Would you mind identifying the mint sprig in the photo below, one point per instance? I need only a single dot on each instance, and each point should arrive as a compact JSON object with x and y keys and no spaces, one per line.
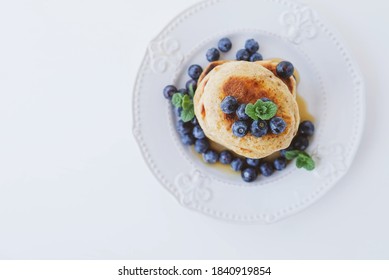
{"x":187,"y":115}
{"x":303,"y":160}
{"x":191,"y":91}
{"x":177,"y":100}
{"x":264,"y":110}
{"x":185,"y":102}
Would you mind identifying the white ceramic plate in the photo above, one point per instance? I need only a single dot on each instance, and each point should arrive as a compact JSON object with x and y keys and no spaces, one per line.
{"x":330,"y":84}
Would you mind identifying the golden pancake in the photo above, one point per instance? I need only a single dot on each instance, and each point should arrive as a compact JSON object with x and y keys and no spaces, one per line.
{"x":247,"y":82}
{"x":269,"y":64}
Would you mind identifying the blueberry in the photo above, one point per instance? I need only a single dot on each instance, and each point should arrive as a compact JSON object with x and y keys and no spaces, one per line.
{"x":264,"y":99}
{"x":243,"y":55}
{"x":210,"y":156}
{"x":306,"y":128}
{"x":194,"y":121}
{"x":213,"y":55}
{"x":240,"y":128}
{"x":285,"y":69}
{"x":169,"y":91}
{"x":237,"y":164}
{"x":183,"y":128}
{"x":198,"y":132}
{"x":259,"y":128}
{"x":225,"y":157}
{"x":177,"y":112}
{"x":195,"y":71}
{"x":300,"y":142}
{"x":251,"y":46}
{"x":192,"y":83}
{"x":277,"y":125}
{"x":280,"y":163}
{"x":201,"y":145}
{"x":187,"y":139}
{"x":241,"y":114}
{"x":266,"y":169}
{"x":249,"y":174}
{"x":225,"y":45}
{"x":256,"y":57}
{"x":252,"y":162}
{"x":229,"y":105}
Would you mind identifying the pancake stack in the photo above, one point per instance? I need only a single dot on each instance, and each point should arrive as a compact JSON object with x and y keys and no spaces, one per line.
{"x":247,"y":82}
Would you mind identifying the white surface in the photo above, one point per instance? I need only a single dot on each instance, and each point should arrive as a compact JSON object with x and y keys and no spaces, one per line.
{"x":224,"y":195}
{"x":73,"y":183}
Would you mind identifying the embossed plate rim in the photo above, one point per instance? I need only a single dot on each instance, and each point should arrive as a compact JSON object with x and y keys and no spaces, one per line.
{"x":256,"y":218}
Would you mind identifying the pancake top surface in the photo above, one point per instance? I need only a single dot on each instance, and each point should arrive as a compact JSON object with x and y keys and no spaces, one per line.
{"x":247,"y":82}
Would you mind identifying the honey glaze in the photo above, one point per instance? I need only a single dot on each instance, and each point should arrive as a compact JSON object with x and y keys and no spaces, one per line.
{"x":305,"y":115}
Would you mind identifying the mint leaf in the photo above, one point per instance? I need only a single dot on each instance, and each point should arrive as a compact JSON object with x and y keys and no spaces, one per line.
{"x":250,"y":111}
{"x":264,"y":110}
{"x":300,"y":162}
{"x":188,"y":114}
{"x":259,"y":110}
{"x":303,"y":154}
{"x":187,"y":102}
{"x":309,"y":164}
{"x":177,"y":99}
{"x":303,"y":160}
{"x":291,"y":154}
{"x":191,"y":91}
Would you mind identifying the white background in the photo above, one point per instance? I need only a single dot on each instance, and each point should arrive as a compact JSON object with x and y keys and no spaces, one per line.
{"x":73,"y":184}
